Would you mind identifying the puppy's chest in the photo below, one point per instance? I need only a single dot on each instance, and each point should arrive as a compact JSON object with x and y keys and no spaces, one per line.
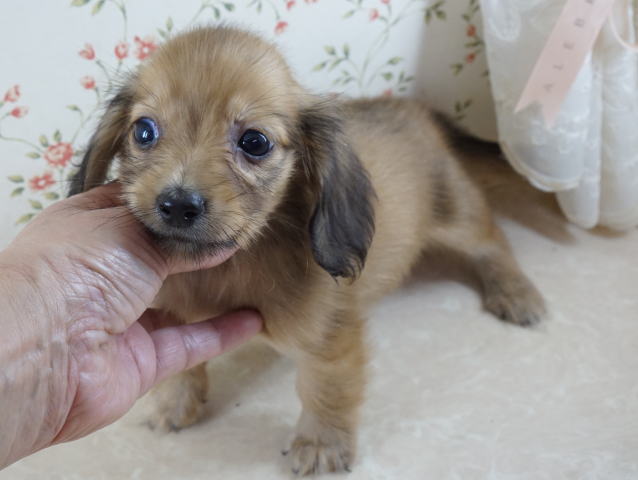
{"x":266,"y":286}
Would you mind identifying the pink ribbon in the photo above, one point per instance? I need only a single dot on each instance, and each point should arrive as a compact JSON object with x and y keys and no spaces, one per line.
{"x":564,"y":54}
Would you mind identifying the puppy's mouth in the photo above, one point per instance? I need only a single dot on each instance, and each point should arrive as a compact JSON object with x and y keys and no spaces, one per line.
{"x":189,"y":243}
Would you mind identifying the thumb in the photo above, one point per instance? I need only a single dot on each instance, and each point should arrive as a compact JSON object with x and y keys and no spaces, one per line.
{"x":179,"y":348}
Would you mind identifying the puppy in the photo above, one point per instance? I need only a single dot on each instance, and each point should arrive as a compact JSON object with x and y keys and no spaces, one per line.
{"x":329,"y":203}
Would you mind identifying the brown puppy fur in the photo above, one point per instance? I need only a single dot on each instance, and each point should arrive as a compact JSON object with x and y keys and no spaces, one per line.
{"x":366,"y":182}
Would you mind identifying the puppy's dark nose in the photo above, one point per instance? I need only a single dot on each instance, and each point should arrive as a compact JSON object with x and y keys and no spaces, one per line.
{"x":180,"y":208}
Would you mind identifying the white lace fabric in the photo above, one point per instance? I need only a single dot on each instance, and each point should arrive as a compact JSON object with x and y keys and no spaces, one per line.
{"x":590,"y":155}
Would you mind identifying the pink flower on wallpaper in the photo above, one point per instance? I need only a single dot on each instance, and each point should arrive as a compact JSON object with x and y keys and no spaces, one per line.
{"x":374,"y":14}
{"x":144,"y":47}
{"x":121,"y":50}
{"x":58,"y":155}
{"x":281,"y":27}
{"x":290,"y":4}
{"x":88,"y":82}
{"x":41,"y":183}
{"x":471,"y":30}
{"x":87,"y":52}
{"x":19,"y":112}
{"x":470,"y":58}
{"x":385,"y":2}
{"x":13,"y":94}
{"x":387,"y":93}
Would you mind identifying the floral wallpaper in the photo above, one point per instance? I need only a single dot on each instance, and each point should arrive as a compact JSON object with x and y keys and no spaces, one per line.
{"x":61,"y":64}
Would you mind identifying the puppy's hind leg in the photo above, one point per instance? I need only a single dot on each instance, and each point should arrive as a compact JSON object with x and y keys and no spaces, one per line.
{"x":507,"y":292}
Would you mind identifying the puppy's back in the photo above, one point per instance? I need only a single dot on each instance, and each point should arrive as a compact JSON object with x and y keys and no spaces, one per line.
{"x":418,"y":181}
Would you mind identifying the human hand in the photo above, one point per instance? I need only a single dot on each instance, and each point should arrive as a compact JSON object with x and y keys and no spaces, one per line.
{"x":80,"y":345}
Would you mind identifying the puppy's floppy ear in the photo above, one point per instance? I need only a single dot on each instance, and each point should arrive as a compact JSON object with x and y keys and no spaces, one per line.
{"x":342,"y":224}
{"x":104,"y":144}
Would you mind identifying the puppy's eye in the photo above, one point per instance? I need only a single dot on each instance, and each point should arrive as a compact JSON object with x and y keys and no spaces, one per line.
{"x":145,"y":132}
{"x":254,"y":143}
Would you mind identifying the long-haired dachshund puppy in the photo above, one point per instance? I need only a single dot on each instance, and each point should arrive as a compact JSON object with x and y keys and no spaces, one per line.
{"x":329,"y":203}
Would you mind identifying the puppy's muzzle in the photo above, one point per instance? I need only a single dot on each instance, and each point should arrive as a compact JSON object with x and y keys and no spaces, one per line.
{"x":180,"y":208}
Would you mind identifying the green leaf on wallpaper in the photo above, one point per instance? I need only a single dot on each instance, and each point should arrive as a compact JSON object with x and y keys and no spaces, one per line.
{"x":229,"y":6}
{"x":17,"y":191}
{"x":441,"y":15}
{"x":169,"y":24}
{"x":334,"y":64}
{"x":346,"y":50}
{"x":319,"y":66}
{"x":57,"y":136}
{"x":25,"y":218}
{"x":428,"y":16}
{"x":395,"y":60}
{"x":348,"y":14}
{"x":73,"y":108}
{"x":162,"y":33}
{"x":330,"y":50}
{"x":16,"y":178}
{"x":35,"y":204}
{"x":466,"y":17}
{"x":97,"y":7}
{"x":43,"y":141}
{"x":51,"y":196}
{"x":387,"y":76}
{"x":79,"y":3}
{"x":33,"y":155}
{"x":216,"y":12}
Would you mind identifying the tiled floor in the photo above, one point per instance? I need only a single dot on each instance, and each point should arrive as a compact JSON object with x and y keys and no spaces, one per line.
{"x":454,"y":394}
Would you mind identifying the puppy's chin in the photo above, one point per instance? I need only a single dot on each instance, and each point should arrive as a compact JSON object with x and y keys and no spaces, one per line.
{"x":191,"y":248}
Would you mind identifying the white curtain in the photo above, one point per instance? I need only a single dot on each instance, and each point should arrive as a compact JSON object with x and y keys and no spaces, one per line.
{"x":590,"y":155}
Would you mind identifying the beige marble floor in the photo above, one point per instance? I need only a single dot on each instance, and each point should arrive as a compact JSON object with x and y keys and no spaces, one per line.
{"x":454,"y":393}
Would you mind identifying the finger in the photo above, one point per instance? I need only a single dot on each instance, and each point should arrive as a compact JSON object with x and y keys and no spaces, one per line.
{"x":182,"y":347}
{"x":104,"y":196}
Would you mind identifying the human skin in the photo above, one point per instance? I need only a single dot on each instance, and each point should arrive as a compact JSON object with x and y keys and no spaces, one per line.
{"x":79,"y":343}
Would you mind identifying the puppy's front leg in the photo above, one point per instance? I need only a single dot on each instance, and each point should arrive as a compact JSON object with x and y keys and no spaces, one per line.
{"x":330,"y":383}
{"x":179,"y":401}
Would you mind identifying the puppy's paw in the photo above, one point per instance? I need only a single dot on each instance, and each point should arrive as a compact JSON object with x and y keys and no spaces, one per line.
{"x":177,"y":415}
{"x":310,"y":457}
{"x":319,"y":448}
{"x":177,"y":403}
{"x":518,"y":302}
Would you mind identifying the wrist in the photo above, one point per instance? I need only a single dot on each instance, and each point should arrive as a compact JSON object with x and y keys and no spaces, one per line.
{"x":32,"y":354}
